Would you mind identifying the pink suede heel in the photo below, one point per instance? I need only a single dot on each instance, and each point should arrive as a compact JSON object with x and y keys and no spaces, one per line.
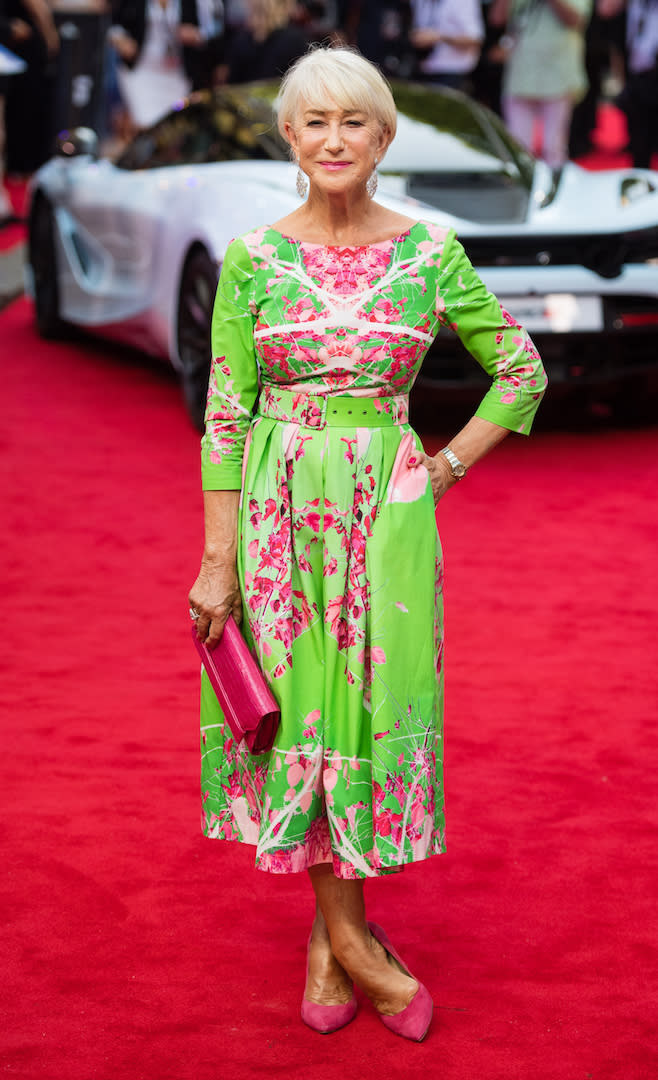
{"x":414,"y":1021}
{"x":327,"y":1018}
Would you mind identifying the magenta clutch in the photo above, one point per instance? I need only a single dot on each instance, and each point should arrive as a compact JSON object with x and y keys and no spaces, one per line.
{"x":250,"y":709}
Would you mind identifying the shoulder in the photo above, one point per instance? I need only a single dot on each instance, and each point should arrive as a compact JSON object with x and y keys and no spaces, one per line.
{"x":257,"y":248}
{"x":429,"y":237}
{"x":241,"y":247}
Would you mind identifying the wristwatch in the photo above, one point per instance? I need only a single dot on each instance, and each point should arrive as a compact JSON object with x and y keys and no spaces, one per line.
{"x":457,"y":467}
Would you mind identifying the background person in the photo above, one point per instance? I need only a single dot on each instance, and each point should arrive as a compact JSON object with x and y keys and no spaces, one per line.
{"x":159,"y":44}
{"x":266,"y":46}
{"x":28,"y":120}
{"x":639,"y":97}
{"x":448,"y":34}
{"x":380,"y":31}
{"x":487,"y":77}
{"x":320,"y":526}
{"x":545,"y":70}
{"x":12,"y":32}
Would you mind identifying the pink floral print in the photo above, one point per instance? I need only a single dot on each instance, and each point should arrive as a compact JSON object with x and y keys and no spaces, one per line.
{"x":339,"y":560}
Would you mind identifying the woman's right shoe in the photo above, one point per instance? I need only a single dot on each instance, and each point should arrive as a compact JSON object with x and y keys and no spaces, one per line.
{"x":327,"y":1018}
{"x":414,"y":1020}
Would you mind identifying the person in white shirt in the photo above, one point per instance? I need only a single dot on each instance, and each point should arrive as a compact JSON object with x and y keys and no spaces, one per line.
{"x":450,"y":34}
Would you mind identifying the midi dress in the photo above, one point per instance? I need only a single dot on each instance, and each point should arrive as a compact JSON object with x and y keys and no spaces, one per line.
{"x":314,"y":351}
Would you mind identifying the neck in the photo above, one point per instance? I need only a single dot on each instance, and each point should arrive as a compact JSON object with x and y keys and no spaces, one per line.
{"x":338,"y":219}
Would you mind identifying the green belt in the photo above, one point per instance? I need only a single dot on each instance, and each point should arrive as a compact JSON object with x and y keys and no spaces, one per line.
{"x":318,"y":411}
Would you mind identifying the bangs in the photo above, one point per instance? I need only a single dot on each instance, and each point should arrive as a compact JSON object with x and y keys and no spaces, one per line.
{"x":319,"y":93}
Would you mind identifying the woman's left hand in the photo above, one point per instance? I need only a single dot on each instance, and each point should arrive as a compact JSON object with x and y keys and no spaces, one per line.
{"x":441,"y":477}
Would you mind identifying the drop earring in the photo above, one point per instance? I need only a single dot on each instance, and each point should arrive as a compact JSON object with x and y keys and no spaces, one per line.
{"x":301,"y":184}
{"x":371,"y":183}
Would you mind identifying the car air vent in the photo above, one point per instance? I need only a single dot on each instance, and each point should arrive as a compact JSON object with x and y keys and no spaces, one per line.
{"x":641,"y":246}
{"x":604,"y":254}
{"x":488,"y":198}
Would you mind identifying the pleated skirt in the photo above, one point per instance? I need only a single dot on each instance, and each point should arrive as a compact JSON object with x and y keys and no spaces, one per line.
{"x":341,"y":576}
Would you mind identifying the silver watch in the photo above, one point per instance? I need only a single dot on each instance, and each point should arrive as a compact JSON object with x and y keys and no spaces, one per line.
{"x":457,"y":467}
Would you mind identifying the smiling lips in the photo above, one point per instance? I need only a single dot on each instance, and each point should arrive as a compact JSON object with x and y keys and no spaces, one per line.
{"x":335,"y":164}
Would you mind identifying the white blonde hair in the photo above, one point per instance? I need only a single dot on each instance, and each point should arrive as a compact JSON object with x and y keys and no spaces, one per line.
{"x":338,"y":75}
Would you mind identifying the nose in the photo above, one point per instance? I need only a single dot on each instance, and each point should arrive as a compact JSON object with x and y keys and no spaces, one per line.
{"x":334,"y":138}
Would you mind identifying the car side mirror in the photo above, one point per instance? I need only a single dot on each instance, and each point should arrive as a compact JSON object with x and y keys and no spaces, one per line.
{"x":76,"y":143}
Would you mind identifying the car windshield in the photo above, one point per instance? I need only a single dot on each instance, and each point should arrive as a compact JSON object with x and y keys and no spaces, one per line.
{"x":221,"y":127}
{"x":455,"y":155}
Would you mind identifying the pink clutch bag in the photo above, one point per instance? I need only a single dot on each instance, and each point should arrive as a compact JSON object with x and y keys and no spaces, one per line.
{"x":249,"y":707}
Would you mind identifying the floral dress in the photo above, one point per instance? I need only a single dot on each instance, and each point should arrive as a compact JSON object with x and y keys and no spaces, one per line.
{"x":339,"y":559}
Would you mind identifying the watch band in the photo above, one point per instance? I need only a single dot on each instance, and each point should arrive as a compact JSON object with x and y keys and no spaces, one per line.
{"x":457,"y":467}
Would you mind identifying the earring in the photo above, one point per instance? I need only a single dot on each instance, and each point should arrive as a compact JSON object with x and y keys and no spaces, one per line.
{"x":301,"y":184}
{"x":371,"y":183}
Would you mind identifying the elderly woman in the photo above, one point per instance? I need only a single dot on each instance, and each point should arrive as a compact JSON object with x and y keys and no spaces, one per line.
{"x":320,"y":526}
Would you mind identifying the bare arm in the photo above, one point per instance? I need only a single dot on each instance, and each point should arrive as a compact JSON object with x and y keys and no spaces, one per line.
{"x":476,"y":439}
{"x":607,"y":9}
{"x":568,"y":15}
{"x":426,"y":39}
{"x":499,"y":12}
{"x":216,"y":592}
{"x":45,"y":24}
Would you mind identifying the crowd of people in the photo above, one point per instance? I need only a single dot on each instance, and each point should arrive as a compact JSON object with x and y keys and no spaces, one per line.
{"x":539,"y":63}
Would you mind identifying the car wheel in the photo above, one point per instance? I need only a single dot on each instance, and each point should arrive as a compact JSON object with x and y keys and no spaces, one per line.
{"x":43,"y":260}
{"x":195,"y":303}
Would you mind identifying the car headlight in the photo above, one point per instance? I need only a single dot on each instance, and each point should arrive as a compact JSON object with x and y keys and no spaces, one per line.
{"x":634,"y":188}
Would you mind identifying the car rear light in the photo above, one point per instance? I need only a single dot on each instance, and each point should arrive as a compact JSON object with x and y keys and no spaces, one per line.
{"x":636,"y":318}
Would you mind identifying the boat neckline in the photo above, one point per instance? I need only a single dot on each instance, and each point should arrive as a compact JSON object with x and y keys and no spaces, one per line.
{"x":344,"y":247}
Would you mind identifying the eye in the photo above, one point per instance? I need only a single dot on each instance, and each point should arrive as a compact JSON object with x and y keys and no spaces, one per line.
{"x":355,"y":123}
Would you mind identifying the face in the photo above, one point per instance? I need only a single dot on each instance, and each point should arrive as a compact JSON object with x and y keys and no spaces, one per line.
{"x":336,"y":148}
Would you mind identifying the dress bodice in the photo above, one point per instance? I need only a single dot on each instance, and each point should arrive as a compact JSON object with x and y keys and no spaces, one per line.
{"x":318,"y":319}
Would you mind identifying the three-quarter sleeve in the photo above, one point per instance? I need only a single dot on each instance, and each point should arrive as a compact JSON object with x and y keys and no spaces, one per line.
{"x":233,"y":385}
{"x":499,"y":343}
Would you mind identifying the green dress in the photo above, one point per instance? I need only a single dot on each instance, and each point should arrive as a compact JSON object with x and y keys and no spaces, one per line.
{"x":339,"y":558}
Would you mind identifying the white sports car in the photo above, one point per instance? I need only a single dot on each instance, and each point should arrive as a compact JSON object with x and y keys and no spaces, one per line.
{"x":132,"y":248}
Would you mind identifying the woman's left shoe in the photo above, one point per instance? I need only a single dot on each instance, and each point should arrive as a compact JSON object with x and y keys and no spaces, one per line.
{"x":327,"y":1018}
{"x":414,"y":1020}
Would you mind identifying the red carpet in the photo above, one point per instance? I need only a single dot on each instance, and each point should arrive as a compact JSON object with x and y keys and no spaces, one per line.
{"x":16,"y":233}
{"x":136,"y":950}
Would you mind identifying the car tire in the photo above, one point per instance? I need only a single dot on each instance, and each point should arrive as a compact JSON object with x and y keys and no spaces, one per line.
{"x":43,"y":261}
{"x":196,"y":297}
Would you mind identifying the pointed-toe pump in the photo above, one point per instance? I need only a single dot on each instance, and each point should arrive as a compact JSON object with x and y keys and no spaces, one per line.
{"x":414,"y":1021}
{"x":327,"y":1018}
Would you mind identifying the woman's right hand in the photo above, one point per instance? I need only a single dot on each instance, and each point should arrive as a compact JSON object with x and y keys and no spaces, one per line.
{"x":215,"y":595}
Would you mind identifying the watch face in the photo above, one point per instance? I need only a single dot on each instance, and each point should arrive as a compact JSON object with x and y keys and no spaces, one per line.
{"x":456,"y":468}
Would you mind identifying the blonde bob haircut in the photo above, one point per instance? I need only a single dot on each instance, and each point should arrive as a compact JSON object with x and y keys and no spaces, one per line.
{"x":340,"y":76}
